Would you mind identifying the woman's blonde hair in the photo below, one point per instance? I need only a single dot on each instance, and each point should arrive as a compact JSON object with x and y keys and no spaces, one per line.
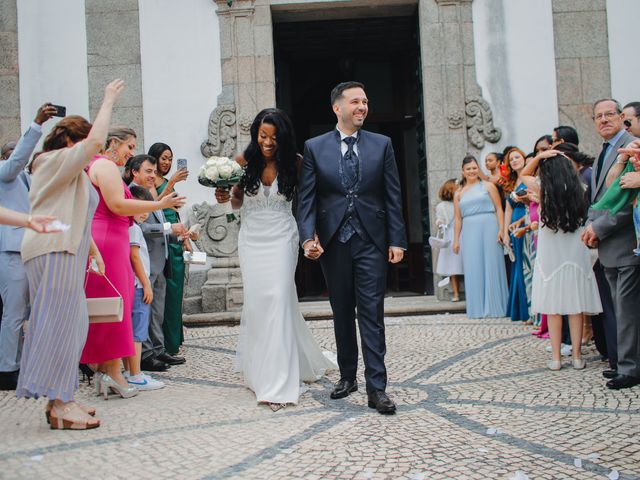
{"x":119,"y":135}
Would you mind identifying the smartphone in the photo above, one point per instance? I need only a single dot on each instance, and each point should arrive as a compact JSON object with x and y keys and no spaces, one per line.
{"x":60,"y":111}
{"x":521,"y":193}
{"x":182,"y":164}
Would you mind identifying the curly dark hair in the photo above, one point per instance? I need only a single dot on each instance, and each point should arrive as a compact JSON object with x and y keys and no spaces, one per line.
{"x":286,"y":157}
{"x":573,"y":152}
{"x":562,"y":199}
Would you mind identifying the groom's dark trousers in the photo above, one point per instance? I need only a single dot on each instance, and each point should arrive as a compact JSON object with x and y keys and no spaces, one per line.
{"x":357,"y":218}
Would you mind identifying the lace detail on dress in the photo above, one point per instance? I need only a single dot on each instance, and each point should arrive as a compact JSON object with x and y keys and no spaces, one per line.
{"x":273,"y":202}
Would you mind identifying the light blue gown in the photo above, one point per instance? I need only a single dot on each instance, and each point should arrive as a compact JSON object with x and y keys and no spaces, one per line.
{"x":485,"y":279}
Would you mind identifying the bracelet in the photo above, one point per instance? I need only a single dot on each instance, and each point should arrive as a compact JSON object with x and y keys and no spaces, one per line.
{"x":29,"y":220}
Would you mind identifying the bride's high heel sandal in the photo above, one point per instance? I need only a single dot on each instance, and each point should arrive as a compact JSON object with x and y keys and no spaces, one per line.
{"x":85,"y":408}
{"x":71,"y":417}
{"x":276,"y":406}
{"x":107,"y":383}
{"x":97,"y":379}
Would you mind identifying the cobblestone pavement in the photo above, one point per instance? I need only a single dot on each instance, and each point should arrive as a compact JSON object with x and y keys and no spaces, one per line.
{"x":474,"y":401}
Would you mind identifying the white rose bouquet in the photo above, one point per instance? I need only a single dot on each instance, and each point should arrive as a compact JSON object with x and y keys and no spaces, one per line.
{"x":221,"y":172}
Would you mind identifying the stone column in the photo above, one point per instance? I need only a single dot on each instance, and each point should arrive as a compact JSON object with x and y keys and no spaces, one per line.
{"x":457,"y":119}
{"x":113,"y":51}
{"x":248,"y":76}
{"x":582,"y":64}
{"x":9,"y":79}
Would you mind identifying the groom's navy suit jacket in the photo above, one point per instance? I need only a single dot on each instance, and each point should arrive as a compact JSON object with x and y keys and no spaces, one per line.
{"x":323,"y":198}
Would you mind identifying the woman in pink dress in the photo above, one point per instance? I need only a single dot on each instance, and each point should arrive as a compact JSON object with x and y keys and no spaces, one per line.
{"x":108,"y":343}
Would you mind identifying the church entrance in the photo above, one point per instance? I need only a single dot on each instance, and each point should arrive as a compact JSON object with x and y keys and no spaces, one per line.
{"x":312,"y":55}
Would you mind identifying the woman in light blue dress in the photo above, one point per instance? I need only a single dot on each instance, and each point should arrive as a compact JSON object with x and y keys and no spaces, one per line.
{"x":478,"y":218}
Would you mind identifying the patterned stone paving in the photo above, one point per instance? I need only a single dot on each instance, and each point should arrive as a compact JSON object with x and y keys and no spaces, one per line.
{"x":474,"y":399}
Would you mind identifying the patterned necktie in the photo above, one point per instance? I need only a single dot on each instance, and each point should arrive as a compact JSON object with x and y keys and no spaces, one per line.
{"x":350,"y":162}
{"x":600,"y":163}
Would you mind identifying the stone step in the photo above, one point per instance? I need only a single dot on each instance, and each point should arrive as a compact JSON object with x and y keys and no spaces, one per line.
{"x":394,"y":307}
{"x":192,"y":305}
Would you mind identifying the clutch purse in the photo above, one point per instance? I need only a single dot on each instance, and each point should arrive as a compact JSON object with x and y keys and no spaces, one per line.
{"x":196,"y":258}
{"x":439,"y":241}
{"x":105,"y":309}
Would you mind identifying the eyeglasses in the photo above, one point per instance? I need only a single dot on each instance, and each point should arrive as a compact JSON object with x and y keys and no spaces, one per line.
{"x":604,"y":115}
{"x":627,"y":123}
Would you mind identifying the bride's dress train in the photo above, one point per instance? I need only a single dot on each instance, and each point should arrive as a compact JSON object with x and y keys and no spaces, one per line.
{"x":276,"y":350}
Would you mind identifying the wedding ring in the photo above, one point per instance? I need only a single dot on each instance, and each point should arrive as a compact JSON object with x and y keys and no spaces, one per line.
{"x":315,"y":245}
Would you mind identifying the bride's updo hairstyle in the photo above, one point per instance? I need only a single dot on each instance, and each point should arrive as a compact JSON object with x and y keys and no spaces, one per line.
{"x":286,"y":158}
{"x":73,"y":127}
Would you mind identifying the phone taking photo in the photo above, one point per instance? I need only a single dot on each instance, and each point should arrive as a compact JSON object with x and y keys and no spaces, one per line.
{"x":182,"y":164}
{"x":60,"y":111}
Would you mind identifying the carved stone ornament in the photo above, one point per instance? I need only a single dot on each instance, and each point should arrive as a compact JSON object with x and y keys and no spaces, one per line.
{"x":480,"y":127}
{"x":245,"y":125}
{"x":221,"y":141}
{"x":455,"y":119}
{"x":218,"y":238}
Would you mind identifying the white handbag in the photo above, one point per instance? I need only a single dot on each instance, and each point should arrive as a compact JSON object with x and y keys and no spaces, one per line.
{"x":439,"y":241}
{"x":104,"y":309}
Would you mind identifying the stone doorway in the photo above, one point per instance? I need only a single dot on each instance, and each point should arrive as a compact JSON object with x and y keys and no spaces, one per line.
{"x":311,"y":57}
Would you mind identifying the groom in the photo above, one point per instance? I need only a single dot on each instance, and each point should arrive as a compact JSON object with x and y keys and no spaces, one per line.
{"x":350,"y":217}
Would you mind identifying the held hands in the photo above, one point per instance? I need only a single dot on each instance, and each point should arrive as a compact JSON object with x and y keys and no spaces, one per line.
{"x":312,"y":248}
{"x":45,"y":112}
{"x":589,"y":237}
{"x":630,"y":180}
{"x":178,"y":230}
{"x":395,"y":254}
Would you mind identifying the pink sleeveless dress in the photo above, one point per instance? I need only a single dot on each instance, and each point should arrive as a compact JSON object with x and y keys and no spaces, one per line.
{"x":107,"y":341}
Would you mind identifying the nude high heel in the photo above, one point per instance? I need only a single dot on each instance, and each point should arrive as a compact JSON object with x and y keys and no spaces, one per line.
{"x":107,"y":383}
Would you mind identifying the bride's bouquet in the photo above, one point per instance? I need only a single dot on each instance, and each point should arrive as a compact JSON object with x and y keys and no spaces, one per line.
{"x":221,"y":172}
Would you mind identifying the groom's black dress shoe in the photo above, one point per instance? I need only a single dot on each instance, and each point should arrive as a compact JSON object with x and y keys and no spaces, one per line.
{"x":153,"y":365}
{"x":343,"y":388}
{"x":381,"y":402}
{"x":610,"y":373}
{"x":623,"y":381}
{"x":9,"y":380}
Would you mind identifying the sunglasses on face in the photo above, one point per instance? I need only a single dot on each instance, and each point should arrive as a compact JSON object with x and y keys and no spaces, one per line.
{"x":627,"y":123}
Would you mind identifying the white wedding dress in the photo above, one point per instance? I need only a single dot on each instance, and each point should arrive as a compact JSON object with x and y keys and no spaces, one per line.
{"x":276,"y":350}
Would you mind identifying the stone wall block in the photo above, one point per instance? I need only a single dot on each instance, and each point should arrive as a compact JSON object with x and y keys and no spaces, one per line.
{"x":266,"y":96}
{"x":109,"y":6}
{"x":452,"y":52}
{"x":244,"y":36}
{"x":131,"y":117}
{"x":214,"y":298}
{"x":468,"y":50}
{"x":9,"y":100}
{"x":471,"y":87}
{"x":454,"y":88}
{"x":433,"y":85}
{"x":438,"y":153}
{"x":99,"y":77}
{"x":113,"y":38}
{"x":580,"y":34}
{"x":578,"y":5}
{"x":450,"y":14}
{"x":9,"y":129}
{"x":263,"y":40}
{"x":8,"y":53}
{"x":429,"y":11}
{"x":569,"y":80}
{"x":596,"y":78}
{"x":229,"y":70}
{"x":262,"y":16}
{"x":265,"y":69}
{"x":431,"y":41}
{"x":9,"y":16}
{"x":226,"y":40}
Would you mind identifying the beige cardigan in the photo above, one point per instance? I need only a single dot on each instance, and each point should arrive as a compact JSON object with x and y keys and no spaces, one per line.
{"x":59,"y":187}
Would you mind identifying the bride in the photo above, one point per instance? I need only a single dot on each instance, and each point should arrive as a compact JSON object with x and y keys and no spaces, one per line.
{"x":276,"y":350}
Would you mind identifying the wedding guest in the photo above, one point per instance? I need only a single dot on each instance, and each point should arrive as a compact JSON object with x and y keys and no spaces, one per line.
{"x":276,"y":350}
{"x":108,"y":343}
{"x":514,"y":162}
{"x":159,"y":235}
{"x":56,"y":265}
{"x":631,"y":118}
{"x":478,"y":226}
{"x":172,"y":325}
{"x":14,"y":286}
{"x":449,"y":263}
{"x":564,"y":134}
{"x":614,"y":236}
{"x":143,"y":296}
{"x":542,"y":144}
{"x":563,"y":283}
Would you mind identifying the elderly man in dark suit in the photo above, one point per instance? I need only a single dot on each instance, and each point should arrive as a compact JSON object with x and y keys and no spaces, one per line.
{"x":614,"y":236}
{"x":350,"y":217}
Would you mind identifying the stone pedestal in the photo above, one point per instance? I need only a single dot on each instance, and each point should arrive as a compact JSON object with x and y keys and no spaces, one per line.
{"x":223,"y":289}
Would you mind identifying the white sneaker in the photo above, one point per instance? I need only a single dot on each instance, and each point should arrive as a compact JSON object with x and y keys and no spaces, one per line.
{"x":145,"y":382}
{"x":565,"y":350}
